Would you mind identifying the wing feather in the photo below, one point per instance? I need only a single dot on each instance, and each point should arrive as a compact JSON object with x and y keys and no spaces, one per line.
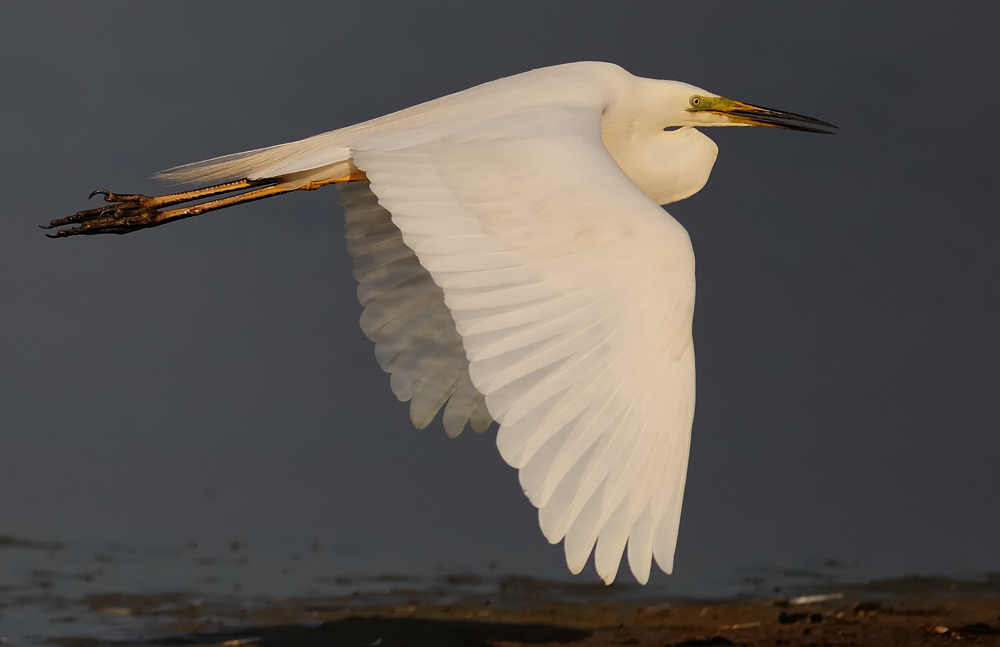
{"x":572,"y":294}
{"x":405,"y":315}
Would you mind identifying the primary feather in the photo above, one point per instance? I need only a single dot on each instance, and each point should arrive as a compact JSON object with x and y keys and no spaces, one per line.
{"x":514,"y":264}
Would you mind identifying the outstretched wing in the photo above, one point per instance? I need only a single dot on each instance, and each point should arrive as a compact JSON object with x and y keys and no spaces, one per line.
{"x":573,"y":294}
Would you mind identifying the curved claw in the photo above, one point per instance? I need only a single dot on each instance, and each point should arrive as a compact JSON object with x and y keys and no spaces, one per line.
{"x":106,"y":194}
{"x":122,"y":214}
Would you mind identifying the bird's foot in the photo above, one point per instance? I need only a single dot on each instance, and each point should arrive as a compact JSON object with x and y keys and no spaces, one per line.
{"x":123,"y":213}
{"x":126,"y":212}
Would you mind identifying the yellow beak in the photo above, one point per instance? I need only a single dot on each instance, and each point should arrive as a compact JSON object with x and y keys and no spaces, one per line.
{"x":737,"y":112}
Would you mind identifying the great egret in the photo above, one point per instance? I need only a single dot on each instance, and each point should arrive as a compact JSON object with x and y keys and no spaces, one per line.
{"x":515,"y":265}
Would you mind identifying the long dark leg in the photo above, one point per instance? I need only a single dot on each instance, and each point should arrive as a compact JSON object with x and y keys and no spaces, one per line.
{"x":130,"y":212}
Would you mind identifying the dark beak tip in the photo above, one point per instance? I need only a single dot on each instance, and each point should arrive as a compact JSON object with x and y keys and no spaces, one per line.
{"x":782,"y":119}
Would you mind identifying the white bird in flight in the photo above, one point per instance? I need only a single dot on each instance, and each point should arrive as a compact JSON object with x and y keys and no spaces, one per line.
{"x":515,"y":265}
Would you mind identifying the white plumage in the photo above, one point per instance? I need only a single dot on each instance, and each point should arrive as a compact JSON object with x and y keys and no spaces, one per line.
{"x":515,"y":265}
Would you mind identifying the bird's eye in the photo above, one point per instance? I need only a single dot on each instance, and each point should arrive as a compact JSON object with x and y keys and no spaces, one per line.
{"x":695,"y":101}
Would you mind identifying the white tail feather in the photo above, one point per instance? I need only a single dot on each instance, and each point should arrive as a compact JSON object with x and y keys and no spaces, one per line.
{"x":274,"y":161}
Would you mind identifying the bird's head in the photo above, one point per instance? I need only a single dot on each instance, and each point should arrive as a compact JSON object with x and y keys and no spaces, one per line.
{"x":709,"y":110}
{"x":655,"y":134}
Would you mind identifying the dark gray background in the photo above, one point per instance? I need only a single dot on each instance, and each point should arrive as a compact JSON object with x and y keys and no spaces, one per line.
{"x":208,"y":380}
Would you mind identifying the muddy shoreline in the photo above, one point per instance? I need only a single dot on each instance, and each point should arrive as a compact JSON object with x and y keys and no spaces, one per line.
{"x":482,"y":622}
{"x":119,"y":596}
